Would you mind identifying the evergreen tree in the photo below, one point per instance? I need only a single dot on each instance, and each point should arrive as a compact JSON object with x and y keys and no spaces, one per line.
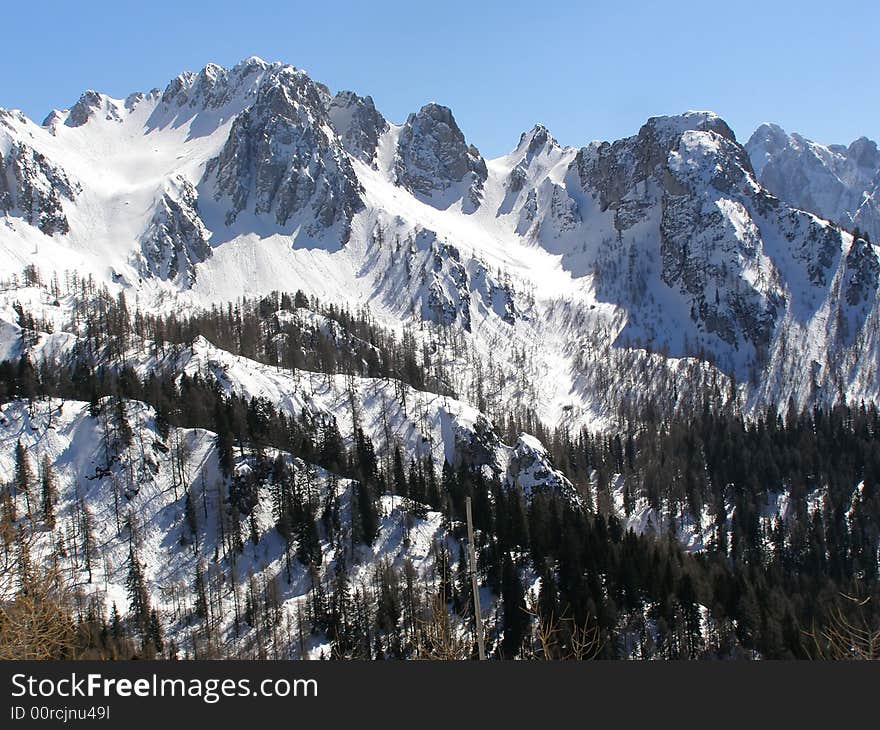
{"x":138,"y":598}
{"x":514,"y":605}
{"x":23,"y":475}
{"x":49,"y":489}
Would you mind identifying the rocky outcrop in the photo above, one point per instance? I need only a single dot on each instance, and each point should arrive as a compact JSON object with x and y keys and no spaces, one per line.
{"x":433,"y":157}
{"x":448,"y":297}
{"x":683,"y":191}
{"x":214,"y":87}
{"x":477,"y":446}
{"x":839,"y":183}
{"x":281,"y":159}
{"x":176,"y":240}
{"x":33,"y":188}
{"x":84,"y":109}
{"x":358,"y":124}
{"x":531,"y":471}
{"x":862,"y":273}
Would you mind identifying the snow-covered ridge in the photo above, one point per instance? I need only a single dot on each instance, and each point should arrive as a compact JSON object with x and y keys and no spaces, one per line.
{"x":836,"y":182}
{"x":666,"y":244}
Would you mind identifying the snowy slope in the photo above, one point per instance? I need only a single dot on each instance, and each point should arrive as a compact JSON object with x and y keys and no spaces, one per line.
{"x":151,"y":518}
{"x":836,"y":182}
{"x":582,"y":280}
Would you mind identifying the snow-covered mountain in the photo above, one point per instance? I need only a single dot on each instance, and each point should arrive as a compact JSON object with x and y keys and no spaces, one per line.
{"x":667,"y":247}
{"x":836,"y":182}
{"x":577,"y":287}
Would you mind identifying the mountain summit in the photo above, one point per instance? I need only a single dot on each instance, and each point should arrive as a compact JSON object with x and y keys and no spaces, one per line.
{"x":677,"y":240}
{"x":263,"y":353}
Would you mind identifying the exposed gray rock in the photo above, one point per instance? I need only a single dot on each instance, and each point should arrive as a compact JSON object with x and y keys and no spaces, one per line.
{"x":536,"y":141}
{"x":279,"y":160}
{"x":449,"y":297}
{"x":497,"y":296}
{"x":176,"y":239}
{"x":5,"y":195}
{"x":841,"y":184}
{"x":358,"y":124}
{"x":539,"y":138}
{"x":686,"y":183}
{"x":33,"y":188}
{"x":177,"y":91}
{"x":563,"y":209}
{"x":527,"y":213}
{"x":516,"y":180}
{"x":214,"y":86}
{"x":432,"y":155}
{"x":531,"y":471}
{"x":862,"y":273}
{"x":84,"y":109}
{"x":477,"y":447}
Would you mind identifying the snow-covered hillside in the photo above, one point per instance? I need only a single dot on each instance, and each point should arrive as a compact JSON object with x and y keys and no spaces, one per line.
{"x":272,"y":312}
{"x":145,"y":512}
{"x":660,"y":246}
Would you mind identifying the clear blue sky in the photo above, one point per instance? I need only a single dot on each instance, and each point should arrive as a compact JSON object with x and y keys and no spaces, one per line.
{"x":586,"y":70}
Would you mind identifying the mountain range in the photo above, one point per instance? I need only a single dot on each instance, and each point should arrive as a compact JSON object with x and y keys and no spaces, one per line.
{"x":676,"y":240}
{"x":578,"y":285}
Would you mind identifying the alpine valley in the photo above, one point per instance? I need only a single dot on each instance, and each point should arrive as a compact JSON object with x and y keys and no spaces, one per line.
{"x":260,"y":344}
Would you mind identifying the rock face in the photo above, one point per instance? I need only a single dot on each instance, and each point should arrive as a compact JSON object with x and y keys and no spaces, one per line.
{"x":33,"y":187}
{"x":176,"y":239}
{"x":531,"y":471}
{"x":215,"y":87}
{"x":687,"y":179}
{"x":433,"y":157}
{"x":83,"y":109}
{"x":615,"y":171}
{"x":839,"y":183}
{"x":525,"y":467}
{"x":358,"y":124}
{"x":677,"y":208}
{"x":282,"y":159}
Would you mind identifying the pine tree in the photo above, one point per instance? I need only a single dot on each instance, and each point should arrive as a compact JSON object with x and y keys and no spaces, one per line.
{"x":309,"y":547}
{"x":202,"y":597}
{"x":367,"y":512}
{"x":49,"y":492}
{"x":87,"y":530}
{"x":189,"y":513}
{"x":23,"y":474}
{"x":399,"y":481}
{"x":515,"y":617}
{"x":155,"y":642}
{"x":138,"y":598}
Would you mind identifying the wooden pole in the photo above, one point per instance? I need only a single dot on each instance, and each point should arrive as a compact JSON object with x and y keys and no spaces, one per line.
{"x":472,"y":567}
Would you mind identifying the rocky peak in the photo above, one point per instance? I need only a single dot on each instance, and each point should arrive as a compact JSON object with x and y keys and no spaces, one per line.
{"x":177,"y":91}
{"x":534,"y":154}
{"x":82,"y":111}
{"x":358,"y":124}
{"x":214,"y":86}
{"x":682,"y":193}
{"x":282,"y":156}
{"x":841,"y":184}
{"x":666,"y":130}
{"x":432,"y":155}
{"x":765,"y":142}
{"x":863,"y":152}
{"x":612,"y":170}
{"x":536,"y":139}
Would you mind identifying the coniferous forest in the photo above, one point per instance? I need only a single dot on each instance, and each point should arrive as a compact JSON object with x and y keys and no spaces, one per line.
{"x":687,"y":532}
